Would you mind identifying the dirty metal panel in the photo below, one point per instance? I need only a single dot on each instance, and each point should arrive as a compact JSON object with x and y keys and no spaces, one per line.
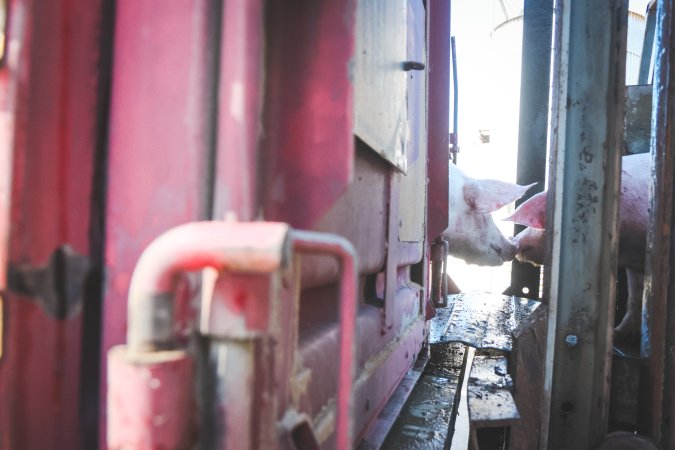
{"x":527,"y":369}
{"x":383,"y":357}
{"x":414,"y":186}
{"x":637,"y":129}
{"x":589,"y":101}
{"x":381,"y":121}
{"x":307,"y":150}
{"x":489,"y":393}
{"x":625,"y":391}
{"x":358,"y":215}
{"x":480,"y":320}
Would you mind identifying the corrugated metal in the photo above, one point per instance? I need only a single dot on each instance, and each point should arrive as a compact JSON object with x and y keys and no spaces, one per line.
{"x":636,"y":34}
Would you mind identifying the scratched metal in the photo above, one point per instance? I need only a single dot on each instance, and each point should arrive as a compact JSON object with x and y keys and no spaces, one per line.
{"x":480,"y":320}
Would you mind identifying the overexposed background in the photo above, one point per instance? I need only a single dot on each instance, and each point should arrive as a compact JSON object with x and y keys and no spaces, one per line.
{"x":488,"y":37}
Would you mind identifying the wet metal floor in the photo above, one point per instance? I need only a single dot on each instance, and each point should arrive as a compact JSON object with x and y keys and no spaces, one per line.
{"x":424,"y":422}
{"x":480,"y":320}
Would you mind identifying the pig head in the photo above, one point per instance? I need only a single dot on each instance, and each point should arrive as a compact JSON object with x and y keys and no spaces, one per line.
{"x":633,"y":217}
{"x":472,"y":234}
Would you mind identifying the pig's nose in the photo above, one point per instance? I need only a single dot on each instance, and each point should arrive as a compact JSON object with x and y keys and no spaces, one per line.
{"x":507,"y":252}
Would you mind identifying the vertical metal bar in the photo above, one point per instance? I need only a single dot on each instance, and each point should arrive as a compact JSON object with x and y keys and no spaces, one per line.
{"x":307,"y":241}
{"x":657,"y":336}
{"x":438,"y":20}
{"x":238,"y":108}
{"x":454,"y":147}
{"x":532,"y":133}
{"x":588,"y":121}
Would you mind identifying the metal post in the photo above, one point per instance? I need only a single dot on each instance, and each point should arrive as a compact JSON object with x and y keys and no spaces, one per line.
{"x":534,"y":91}
{"x":587,"y":120}
{"x":658,"y":309}
{"x":438,"y":113}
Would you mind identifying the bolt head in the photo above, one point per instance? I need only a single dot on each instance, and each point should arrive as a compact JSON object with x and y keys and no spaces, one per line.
{"x":571,"y":340}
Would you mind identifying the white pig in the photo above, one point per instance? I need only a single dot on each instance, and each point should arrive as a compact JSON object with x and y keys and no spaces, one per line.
{"x":472,"y":234}
{"x":633,"y":223}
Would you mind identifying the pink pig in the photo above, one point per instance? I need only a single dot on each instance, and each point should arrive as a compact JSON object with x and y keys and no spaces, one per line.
{"x":633,"y":223}
{"x":472,"y":234}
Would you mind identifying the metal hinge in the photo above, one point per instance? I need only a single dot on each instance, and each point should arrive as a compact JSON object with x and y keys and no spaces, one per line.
{"x":57,"y":286}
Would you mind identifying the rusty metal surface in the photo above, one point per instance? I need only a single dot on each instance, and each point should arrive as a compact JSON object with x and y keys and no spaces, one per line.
{"x":438,"y":289}
{"x":637,"y":129}
{"x":438,"y":68}
{"x":480,"y":320}
{"x":587,"y":116}
{"x":489,"y":393}
{"x":381,"y":121}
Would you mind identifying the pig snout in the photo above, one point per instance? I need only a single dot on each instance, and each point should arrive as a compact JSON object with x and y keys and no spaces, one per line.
{"x":530,"y":246}
{"x":507,"y":250}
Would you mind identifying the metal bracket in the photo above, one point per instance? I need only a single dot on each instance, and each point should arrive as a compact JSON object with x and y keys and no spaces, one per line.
{"x":57,"y":286}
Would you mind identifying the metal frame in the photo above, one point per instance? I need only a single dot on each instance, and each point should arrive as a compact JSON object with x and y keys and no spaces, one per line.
{"x":589,"y":68}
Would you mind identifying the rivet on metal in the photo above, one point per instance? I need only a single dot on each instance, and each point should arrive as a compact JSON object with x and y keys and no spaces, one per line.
{"x":571,"y":340}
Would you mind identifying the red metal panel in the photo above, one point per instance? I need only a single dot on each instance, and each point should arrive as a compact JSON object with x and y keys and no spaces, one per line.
{"x":438,"y":17}
{"x":308,"y":148}
{"x":51,"y":104}
{"x":159,"y":138}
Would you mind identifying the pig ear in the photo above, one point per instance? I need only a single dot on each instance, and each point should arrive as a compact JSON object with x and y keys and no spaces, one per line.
{"x":531,"y":213}
{"x":485,"y":196}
